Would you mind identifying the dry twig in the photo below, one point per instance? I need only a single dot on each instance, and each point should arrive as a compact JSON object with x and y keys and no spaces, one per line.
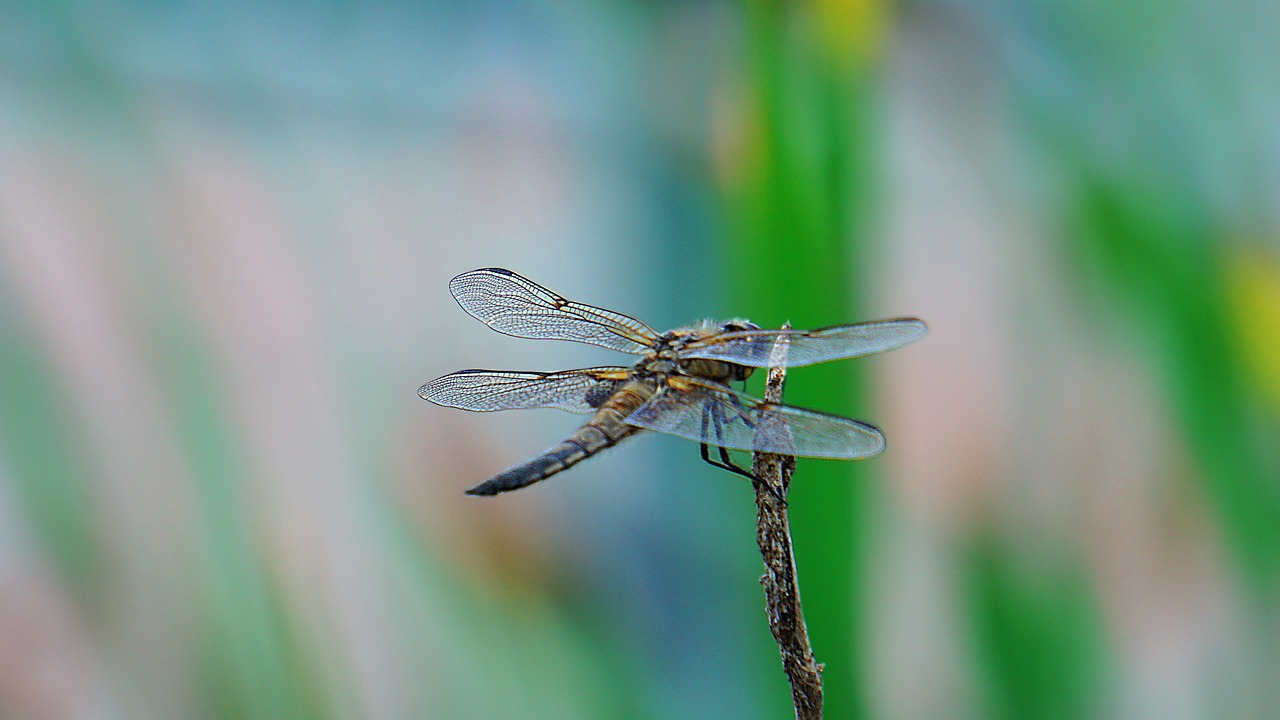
{"x":781,"y":588}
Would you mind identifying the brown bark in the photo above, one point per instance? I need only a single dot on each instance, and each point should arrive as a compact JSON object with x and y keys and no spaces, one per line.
{"x":781,"y":587}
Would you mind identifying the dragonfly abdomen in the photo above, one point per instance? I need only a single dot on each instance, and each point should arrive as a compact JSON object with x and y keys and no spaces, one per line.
{"x":604,"y":430}
{"x":585,"y":442}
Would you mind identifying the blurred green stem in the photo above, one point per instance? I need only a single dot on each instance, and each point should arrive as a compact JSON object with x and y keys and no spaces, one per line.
{"x":796,"y":216}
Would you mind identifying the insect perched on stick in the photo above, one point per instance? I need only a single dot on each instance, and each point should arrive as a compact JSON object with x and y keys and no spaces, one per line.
{"x":679,"y":386}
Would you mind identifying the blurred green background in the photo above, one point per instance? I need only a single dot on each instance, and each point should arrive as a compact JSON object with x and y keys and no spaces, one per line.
{"x":226,"y":231}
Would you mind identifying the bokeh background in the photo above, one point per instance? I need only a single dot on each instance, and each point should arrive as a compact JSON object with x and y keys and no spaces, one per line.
{"x":226,"y":232}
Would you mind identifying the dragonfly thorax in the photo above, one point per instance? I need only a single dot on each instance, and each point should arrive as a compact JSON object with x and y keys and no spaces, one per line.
{"x":665,"y":357}
{"x":717,"y":370}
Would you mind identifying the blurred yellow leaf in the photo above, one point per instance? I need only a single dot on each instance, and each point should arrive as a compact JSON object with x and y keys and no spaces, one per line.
{"x":853,"y":30}
{"x":1253,"y":295}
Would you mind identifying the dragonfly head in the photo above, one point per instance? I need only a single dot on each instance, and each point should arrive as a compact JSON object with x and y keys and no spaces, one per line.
{"x":738,"y":372}
{"x":737,"y":325}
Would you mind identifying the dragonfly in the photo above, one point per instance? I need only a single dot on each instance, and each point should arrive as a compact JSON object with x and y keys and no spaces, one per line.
{"x":680,"y":385}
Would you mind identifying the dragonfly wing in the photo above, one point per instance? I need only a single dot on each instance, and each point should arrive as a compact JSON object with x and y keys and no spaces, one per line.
{"x":515,"y":305}
{"x":579,"y":391}
{"x":717,"y":415}
{"x":807,"y":347}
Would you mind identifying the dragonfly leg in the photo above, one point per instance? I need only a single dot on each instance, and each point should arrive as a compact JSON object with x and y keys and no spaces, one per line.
{"x":726,"y":462}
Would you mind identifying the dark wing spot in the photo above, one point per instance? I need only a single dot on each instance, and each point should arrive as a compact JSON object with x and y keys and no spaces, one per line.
{"x":600,"y":392}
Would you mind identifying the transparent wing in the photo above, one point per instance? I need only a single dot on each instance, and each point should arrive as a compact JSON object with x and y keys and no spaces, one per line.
{"x":516,"y":305}
{"x":579,"y":391}
{"x":712,"y":413}
{"x":807,"y":347}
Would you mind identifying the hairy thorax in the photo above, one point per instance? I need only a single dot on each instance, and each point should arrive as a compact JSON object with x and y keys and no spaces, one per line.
{"x":665,"y":358}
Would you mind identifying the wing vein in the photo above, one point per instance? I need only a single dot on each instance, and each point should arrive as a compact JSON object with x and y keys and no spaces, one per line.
{"x":514,"y":305}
